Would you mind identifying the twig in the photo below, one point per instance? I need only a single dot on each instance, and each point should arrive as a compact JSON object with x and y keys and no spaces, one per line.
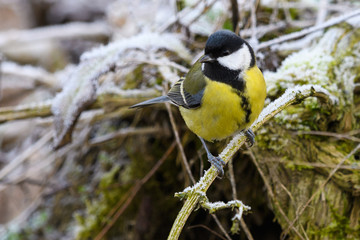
{"x":186,"y":12}
{"x":222,"y":229}
{"x":235,"y":16}
{"x":322,"y":12}
{"x":263,"y":29}
{"x":64,"y":31}
{"x":317,"y":165}
{"x":290,"y":96}
{"x":321,"y":188}
{"x":1,"y":73}
{"x":178,"y":142}
{"x":307,"y":31}
{"x":24,"y":155}
{"x":330,"y":134}
{"x":132,"y":193}
{"x":336,"y":7}
{"x":253,"y":38}
{"x":161,"y":62}
{"x":124,"y":132}
{"x":234,"y":195}
{"x":207,"y":5}
{"x":43,"y":109}
{"x":36,"y":74}
{"x":232,"y":179}
{"x":207,"y":228}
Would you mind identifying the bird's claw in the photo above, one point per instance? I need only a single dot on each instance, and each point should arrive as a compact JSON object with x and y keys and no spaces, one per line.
{"x":218,"y":163}
{"x":250,"y":137}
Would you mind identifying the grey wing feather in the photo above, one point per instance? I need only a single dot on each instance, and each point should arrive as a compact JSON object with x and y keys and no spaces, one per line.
{"x":180,"y":97}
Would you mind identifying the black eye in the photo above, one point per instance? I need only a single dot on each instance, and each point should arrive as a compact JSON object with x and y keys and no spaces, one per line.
{"x":225,"y":53}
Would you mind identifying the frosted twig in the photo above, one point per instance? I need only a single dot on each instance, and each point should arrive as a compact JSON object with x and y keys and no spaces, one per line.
{"x":290,"y":96}
{"x":116,"y":96}
{"x":1,"y":73}
{"x":306,"y":31}
{"x":161,"y":62}
{"x":253,"y":38}
{"x":216,"y":206}
{"x":320,"y":188}
{"x":322,"y":12}
{"x":64,"y":31}
{"x":24,"y":155}
{"x":32,"y":110}
{"x":197,"y":13}
{"x":186,"y":12}
{"x":262,"y":29}
{"x":37,"y":74}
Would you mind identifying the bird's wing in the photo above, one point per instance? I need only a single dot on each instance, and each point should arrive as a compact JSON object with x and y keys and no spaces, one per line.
{"x":188,"y":91}
{"x":180,"y":97}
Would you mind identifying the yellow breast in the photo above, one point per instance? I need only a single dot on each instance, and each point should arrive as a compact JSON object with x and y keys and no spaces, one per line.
{"x":221,"y":114}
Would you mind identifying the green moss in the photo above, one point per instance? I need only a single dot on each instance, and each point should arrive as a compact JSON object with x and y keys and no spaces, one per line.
{"x":98,"y":209}
{"x":297,"y":167}
{"x":339,"y":227}
{"x":228,"y":24}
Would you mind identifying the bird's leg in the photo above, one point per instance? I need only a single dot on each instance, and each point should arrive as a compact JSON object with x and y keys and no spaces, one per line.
{"x":250,"y":137}
{"x":216,"y":161}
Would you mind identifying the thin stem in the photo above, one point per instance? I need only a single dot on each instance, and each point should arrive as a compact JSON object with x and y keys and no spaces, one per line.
{"x":122,"y":205}
{"x":234,"y":195}
{"x":178,"y":142}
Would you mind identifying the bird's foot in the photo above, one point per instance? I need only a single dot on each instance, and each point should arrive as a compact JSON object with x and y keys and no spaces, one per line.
{"x":250,"y":137}
{"x":218,"y":163}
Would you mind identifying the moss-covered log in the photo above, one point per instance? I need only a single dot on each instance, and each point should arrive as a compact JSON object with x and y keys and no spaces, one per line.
{"x":296,"y":160}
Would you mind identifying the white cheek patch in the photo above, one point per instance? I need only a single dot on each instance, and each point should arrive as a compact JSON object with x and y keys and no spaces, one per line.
{"x":239,"y":60}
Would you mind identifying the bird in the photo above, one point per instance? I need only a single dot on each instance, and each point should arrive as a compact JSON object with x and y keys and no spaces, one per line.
{"x":222,"y":94}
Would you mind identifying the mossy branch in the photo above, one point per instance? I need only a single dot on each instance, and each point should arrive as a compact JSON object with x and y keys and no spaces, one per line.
{"x":196,"y":192}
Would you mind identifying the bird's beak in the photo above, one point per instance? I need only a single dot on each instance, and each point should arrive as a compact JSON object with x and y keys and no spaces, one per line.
{"x":206,"y":59}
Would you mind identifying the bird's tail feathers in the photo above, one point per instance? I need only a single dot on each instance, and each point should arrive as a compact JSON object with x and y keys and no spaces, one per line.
{"x":161,"y":99}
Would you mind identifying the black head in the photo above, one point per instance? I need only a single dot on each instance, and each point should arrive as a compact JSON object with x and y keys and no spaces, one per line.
{"x":229,"y":50}
{"x":222,"y":43}
{"x":226,"y":57}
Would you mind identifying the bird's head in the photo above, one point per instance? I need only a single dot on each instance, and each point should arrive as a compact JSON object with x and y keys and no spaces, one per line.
{"x":228,"y":50}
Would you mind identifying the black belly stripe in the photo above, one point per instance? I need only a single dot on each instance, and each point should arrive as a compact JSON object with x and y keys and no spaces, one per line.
{"x":245,"y":105}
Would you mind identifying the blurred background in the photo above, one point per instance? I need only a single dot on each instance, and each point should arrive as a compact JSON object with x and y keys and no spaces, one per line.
{"x":76,"y":163}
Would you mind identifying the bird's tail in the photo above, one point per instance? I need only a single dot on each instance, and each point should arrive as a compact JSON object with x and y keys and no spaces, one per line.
{"x":161,"y":99}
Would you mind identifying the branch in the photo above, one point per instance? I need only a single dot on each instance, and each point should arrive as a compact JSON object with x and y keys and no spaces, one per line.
{"x":291,"y":96}
{"x":114,"y":96}
{"x":307,"y":31}
{"x":58,"y":32}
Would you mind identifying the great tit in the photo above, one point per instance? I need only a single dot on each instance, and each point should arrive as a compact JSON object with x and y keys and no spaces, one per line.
{"x":222,"y":94}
